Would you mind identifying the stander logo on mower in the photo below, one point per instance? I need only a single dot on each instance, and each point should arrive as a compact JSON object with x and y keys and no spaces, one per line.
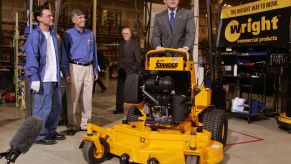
{"x":166,"y":63}
{"x":163,"y":64}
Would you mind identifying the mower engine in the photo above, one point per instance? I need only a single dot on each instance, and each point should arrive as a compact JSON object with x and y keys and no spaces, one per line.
{"x":162,"y":105}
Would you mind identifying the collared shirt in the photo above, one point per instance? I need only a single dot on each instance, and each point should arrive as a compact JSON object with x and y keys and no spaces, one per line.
{"x":80,"y":47}
{"x":170,"y":11}
{"x":50,"y":73}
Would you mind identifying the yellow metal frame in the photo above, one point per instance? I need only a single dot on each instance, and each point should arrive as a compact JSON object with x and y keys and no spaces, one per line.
{"x":284,"y":119}
{"x":169,"y":144}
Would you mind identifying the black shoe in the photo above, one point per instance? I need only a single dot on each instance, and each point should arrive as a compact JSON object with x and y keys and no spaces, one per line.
{"x":118,"y":112}
{"x":46,"y":141}
{"x":71,"y":132}
{"x":58,"y":136}
{"x":103,"y":90}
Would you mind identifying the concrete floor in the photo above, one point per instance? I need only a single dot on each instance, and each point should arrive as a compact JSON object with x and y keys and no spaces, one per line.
{"x":260,"y":142}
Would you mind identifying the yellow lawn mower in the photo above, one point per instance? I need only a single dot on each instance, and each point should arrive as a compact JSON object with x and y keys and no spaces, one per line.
{"x":170,"y":120}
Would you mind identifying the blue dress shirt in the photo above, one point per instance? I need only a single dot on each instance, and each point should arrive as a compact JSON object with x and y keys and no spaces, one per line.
{"x":78,"y":47}
{"x":169,"y":13}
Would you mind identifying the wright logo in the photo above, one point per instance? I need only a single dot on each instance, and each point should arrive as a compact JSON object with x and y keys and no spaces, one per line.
{"x":235,"y":29}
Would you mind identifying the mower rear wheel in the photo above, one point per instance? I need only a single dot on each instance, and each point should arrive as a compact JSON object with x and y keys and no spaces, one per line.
{"x":90,"y":153}
{"x":215,"y":121}
{"x":191,"y":159}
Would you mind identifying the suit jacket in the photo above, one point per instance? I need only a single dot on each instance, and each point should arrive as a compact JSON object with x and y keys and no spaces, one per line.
{"x":183,"y":34}
{"x":130,"y":57}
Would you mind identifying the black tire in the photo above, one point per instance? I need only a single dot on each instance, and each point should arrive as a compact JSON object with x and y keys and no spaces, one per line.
{"x":132,"y":114}
{"x":191,"y":159}
{"x":215,"y":121}
{"x":89,"y":152}
{"x":124,"y":159}
{"x":152,"y":161}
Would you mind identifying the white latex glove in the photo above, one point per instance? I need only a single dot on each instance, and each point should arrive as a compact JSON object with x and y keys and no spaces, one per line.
{"x":35,"y":85}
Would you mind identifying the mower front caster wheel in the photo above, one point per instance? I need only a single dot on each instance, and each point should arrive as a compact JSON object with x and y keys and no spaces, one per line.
{"x":90,"y":153}
{"x":124,"y":159}
{"x":153,"y":161}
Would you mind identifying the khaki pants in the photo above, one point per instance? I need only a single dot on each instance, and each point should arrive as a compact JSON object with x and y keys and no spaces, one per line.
{"x":79,"y":95}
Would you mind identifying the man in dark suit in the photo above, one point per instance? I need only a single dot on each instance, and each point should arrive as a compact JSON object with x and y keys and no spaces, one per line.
{"x":173,"y":28}
{"x":129,"y":62}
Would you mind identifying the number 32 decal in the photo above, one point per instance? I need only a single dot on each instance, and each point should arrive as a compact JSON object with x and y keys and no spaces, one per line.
{"x":142,"y":140}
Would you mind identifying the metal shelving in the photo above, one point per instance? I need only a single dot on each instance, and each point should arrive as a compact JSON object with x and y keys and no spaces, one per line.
{"x":19,"y":67}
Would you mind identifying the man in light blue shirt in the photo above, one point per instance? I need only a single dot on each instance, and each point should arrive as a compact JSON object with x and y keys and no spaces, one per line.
{"x":80,"y":68}
{"x":43,"y":72}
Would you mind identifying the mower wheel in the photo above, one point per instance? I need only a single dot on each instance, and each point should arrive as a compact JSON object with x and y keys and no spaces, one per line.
{"x":124,"y":159}
{"x":215,"y":121}
{"x":131,"y":115}
{"x":90,"y":153}
{"x":191,"y":159}
{"x":153,"y":161}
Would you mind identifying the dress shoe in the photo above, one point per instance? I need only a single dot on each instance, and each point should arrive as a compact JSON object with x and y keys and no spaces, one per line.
{"x":57,"y":136}
{"x":118,"y":112}
{"x":71,"y":132}
{"x":45,"y":141}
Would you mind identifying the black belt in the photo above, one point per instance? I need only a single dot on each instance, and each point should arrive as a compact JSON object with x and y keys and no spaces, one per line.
{"x":80,"y":63}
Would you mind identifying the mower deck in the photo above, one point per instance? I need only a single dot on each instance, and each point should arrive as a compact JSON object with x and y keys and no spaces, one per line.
{"x":140,"y":143}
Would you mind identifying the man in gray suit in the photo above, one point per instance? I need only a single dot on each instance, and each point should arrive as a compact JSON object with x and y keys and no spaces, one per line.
{"x":129,"y":62}
{"x":173,"y":28}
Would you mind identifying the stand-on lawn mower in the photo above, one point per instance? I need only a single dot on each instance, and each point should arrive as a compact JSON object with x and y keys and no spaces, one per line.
{"x":170,"y":121}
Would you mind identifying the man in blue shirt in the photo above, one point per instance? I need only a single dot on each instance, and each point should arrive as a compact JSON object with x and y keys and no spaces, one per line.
{"x":43,"y":71}
{"x":80,"y":68}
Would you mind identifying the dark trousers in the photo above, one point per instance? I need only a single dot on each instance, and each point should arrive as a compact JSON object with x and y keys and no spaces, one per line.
{"x":120,"y":90}
{"x":64,"y":116}
{"x":100,"y":83}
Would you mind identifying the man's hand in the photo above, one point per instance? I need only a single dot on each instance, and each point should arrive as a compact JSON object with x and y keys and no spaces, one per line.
{"x":184,"y":48}
{"x":159,"y":47}
{"x":35,"y":86}
{"x":95,"y":77}
{"x":68,"y":78}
